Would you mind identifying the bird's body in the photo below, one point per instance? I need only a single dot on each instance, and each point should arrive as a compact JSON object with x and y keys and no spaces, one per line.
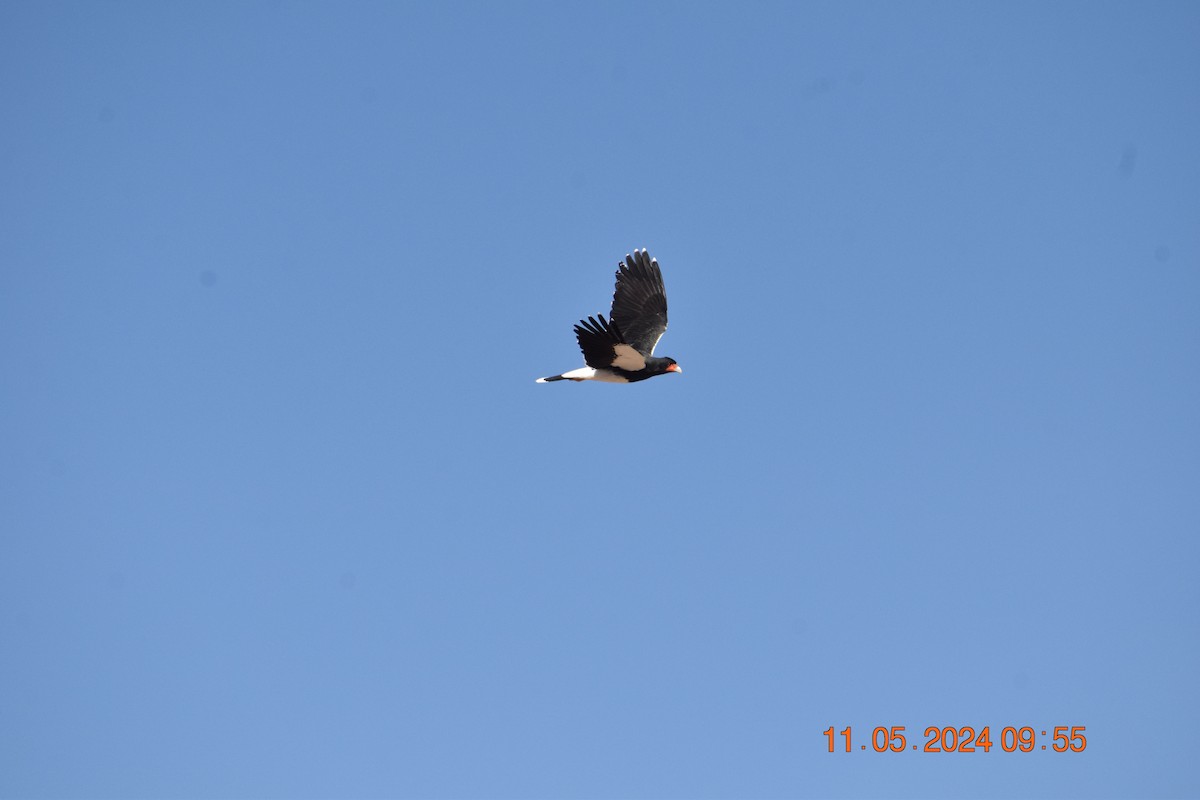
{"x":621,"y":348}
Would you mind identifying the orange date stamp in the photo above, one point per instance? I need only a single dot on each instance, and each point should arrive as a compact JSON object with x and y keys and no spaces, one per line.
{"x":966,"y":739}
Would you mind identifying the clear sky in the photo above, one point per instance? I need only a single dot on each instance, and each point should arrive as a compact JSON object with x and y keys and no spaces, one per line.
{"x":285,"y":514}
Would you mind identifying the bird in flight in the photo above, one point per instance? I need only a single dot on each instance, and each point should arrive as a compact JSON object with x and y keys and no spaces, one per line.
{"x":621,"y":348}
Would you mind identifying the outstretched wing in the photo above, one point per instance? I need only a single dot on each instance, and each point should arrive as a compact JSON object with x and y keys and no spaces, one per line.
{"x":639,"y":307}
{"x":603,"y":346}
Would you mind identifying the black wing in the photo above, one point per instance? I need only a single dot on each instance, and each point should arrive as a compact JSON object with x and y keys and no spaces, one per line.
{"x":603,"y":346}
{"x":639,"y":307}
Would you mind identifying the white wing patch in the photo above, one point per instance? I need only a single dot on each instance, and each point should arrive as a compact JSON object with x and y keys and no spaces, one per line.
{"x":628,"y":358}
{"x":589,"y":374}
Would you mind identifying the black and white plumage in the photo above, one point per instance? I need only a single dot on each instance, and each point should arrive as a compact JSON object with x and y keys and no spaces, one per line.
{"x":621,"y":348}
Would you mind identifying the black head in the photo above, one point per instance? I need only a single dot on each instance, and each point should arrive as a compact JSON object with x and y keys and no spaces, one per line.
{"x":660,"y":366}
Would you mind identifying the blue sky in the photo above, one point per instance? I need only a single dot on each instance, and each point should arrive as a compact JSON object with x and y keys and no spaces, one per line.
{"x":285,"y":514}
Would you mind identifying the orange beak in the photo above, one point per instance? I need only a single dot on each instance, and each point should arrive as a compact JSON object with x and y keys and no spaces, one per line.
{"x":674,"y":368}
